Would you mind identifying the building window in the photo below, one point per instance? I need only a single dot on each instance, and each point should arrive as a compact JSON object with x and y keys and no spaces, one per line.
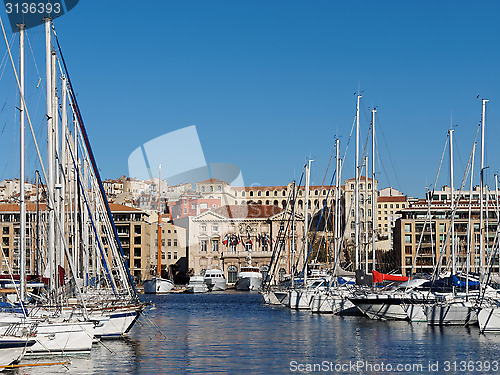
{"x":162,"y":242}
{"x":211,"y":189}
{"x":169,"y":242}
{"x":215,"y":245}
{"x":162,"y":255}
{"x":175,"y":243}
{"x":169,"y":255}
{"x":219,"y":188}
{"x":215,"y":228}
{"x":369,"y":186}
{"x":232,"y":248}
{"x":232,"y":271}
{"x":407,"y":238}
{"x":397,"y":205}
{"x":203,"y":189}
{"x":175,"y":254}
{"x":408,"y":250}
{"x":203,"y":227}
{"x":407,"y":228}
{"x":203,"y":245}
{"x":248,"y":246}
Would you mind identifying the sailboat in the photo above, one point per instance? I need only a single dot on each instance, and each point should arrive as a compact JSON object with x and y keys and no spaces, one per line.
{"x":157,"y":284}
{"x":98,"y":290}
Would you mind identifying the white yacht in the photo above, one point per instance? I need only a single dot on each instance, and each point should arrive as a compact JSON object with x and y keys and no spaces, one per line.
{"x":215,"y":280}
{"x":249,"y":278}
{"x":196,"y":285}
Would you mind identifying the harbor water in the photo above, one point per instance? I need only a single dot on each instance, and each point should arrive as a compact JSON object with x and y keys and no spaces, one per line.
{"x":233,"y":333}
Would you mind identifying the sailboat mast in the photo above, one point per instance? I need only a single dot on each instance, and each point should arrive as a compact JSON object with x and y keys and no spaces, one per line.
{"x":22,"y":202}
{"x":373,"y":189}
{"x":356,"y":190}
{"x":469,"y":223}
{"x":365,"y":216}
{"x":337,"y":212}
{"x":292,"y":270}
{"x":50,"y":154}
{"x":158,"y":255}
{"x":306,"y":220}
{"x":481,"y":188}
{"x":452,"y":221}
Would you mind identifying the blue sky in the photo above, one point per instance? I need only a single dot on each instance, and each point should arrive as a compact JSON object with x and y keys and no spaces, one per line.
{"x":270,"y":83}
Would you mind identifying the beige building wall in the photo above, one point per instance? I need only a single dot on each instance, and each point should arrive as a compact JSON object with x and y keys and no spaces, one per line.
{"x":208,"y":230}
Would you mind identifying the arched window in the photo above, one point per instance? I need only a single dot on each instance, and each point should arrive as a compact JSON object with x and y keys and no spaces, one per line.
{"x":275,"y":193}
{"x":259,"y":193}
{"x":275,"y":203}
{"x":242,"y":193}
{"x":202,"y":273}
{"x":267,"y":202}
{"x":283,"y":193}
{"x":235,"y":193}
{"x":316,"y":192}
{"x":211,"y":188}
{"x":300,"y":204}
{"x":203,"y":189}
{"x":324,"y":192}
{"x":251,"y":193}
{"x":361,"y":199}
{"x":264,"y":270}
{"x":267,"y":193}
{"x":369,"y":186}
{"x":283,"y":203}
{"x":219,"y":188}
{"x":232,"y":272}
{"x":259,"y":202}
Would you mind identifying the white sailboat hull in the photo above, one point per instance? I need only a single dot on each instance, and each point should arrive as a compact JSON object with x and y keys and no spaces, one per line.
{"x":157,"y":285}
{"x":62,"y":338}
{"x":12,"y":349}
{"x":116,"y":324}
{"x":489,"y":319}
{"x":454,"y":313}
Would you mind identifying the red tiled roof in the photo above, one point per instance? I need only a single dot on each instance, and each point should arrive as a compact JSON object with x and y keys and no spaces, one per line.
{"x":398,"y":198}
{"x":14,"y":207}
{"x":31,"y":207}
{"x":250,"y":210}
{"x":361,"y":178}
{"x":211,"y":181}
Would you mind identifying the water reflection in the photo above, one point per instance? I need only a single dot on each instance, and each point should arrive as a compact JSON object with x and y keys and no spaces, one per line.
{"x":233,"y":333}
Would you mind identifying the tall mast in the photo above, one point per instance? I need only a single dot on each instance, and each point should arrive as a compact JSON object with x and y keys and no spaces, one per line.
{"x":50,"y":153}
{"x":452,"y":221}
{"x":481,"y":177}
{"x":158,"y":255}
{"x":365,"y":211}
{"x":337,"y":213}
{"x":22,"y":202}
{"x":373,"y":189}
{"x":292,"y":271}
{"x":306,"y":220}
{"x":469,"y":223}
{"x":356,"y":189}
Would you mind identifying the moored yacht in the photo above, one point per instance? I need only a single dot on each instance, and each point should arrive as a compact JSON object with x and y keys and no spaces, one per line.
{"x":249,"y":278}
{"x":215,"y":280}
{"x":196,"y":285}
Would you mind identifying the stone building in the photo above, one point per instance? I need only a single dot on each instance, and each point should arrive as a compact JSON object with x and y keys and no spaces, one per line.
{"x":228,"y":236}
{"x":433,"y":233}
